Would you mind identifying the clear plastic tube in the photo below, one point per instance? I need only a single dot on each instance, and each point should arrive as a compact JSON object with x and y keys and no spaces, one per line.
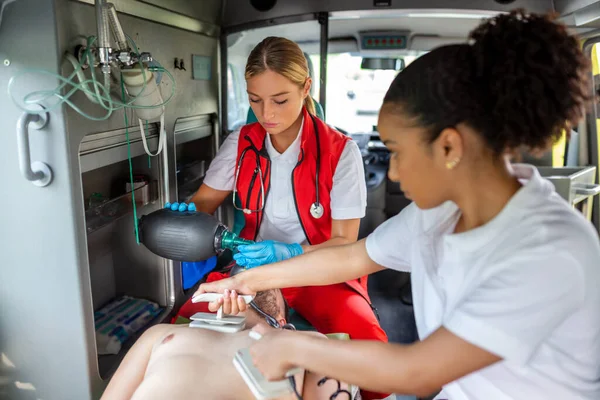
{"x":133,"y":45}
{"x":49,"y":94}
{"x":46,"y":94}
{"x":107,"y":83}
{"x":81,"y":77}
{"x":90,"y":87}
{"x":116,"y":28}
{"x":102,"y":24}
{"x":40,"y":96}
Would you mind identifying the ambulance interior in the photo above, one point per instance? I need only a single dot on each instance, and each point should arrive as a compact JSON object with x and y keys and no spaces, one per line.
{"x":70,"y":251}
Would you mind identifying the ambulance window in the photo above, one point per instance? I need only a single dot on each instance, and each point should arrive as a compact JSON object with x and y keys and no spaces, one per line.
{"x":237,"y":100}
{"x":354,"y":95}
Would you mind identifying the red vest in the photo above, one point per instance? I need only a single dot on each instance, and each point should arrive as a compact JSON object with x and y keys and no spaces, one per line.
{"x":327,"y":142}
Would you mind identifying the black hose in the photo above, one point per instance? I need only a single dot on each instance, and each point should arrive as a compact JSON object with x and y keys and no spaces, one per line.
{"x":293,"y":383}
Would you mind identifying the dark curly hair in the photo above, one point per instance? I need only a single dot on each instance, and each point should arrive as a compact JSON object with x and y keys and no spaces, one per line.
{"x":520,"y":82}
{"x":267,"y":302}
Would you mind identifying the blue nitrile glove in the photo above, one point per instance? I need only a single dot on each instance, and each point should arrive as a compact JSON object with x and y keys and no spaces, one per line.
{"x":192,"y":272}
{"x":267,"y":252}
{"x":180,"y":206}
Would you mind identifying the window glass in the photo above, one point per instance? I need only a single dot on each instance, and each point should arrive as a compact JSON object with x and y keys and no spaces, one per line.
{"x":237,"y":100}
{"x":354,"y":95}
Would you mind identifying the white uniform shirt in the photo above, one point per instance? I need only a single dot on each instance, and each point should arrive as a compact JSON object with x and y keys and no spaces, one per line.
{"x":525,"y":286}
{"x":280,"y":219}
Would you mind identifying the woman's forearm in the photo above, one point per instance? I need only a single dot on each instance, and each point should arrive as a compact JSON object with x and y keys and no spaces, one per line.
{"x":342,"y":232}
{"x":207,"y":199}
{"x":389,"y":365}
{"x":396,"y":368}
{"x":324,"y":266}
{"x":335,"y":241}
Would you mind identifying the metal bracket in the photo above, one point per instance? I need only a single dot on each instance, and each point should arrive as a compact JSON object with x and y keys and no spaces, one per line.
{"x":37,"y":172}
{"x":586,"y":189}
{"x":322,"y":17}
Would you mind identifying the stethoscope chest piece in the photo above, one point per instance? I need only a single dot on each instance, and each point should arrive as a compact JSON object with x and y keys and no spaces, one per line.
{"x":316,"y":210}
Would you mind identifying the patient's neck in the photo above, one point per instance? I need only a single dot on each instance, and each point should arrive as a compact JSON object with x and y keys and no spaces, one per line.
{"x":253,"y":320}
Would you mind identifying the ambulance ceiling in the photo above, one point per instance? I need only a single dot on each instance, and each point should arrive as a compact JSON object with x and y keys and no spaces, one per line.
{"x":580,"y":13}
{"x":238,"y":13}
{"x":344,"y":27}
{"x":428,"y":27}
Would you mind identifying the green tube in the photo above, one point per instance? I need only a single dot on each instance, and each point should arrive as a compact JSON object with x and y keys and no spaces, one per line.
{"x":231,"y":241}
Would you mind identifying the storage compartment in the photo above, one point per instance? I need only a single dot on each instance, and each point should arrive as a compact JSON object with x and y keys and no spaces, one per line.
{"x":101,"y":211}
{"x":129,"y":284}
{"x":195,"y":147}
{"x":191,"y":167}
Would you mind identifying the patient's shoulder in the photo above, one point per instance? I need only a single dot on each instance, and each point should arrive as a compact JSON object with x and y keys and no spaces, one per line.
{"x":315,"y":334}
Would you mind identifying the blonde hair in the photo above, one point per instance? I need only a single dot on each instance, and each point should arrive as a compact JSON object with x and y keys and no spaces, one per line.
{"x":284,"y":57}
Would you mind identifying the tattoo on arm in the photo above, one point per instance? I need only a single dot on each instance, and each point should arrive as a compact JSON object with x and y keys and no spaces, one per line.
{"x":338,"y":391}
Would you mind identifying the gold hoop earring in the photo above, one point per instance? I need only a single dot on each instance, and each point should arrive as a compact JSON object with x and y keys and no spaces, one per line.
{"x":452,"y":164}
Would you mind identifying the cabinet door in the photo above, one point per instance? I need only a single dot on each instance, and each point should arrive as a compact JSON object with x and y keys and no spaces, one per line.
{"x":45,"y":312}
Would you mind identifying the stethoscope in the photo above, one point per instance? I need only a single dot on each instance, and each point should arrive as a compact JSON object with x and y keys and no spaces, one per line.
{"x":316,"y":209}
{"x":270,"y":319}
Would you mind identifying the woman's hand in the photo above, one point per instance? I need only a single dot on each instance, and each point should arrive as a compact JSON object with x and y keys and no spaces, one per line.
{"x":272,"y":354}
{"x":232,"y":304}
{"x":266,"y":252}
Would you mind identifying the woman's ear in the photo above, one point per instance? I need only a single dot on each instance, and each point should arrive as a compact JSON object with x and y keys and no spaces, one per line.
{"x":306,"y":89}
{"x":451,"y":147}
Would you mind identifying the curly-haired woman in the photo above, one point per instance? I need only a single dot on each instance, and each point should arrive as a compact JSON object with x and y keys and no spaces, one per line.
{"x":505,"y":274}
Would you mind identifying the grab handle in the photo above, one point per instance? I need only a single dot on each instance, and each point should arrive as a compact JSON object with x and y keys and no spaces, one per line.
{"x":37,"y":172}
{"x":587,"y":189}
